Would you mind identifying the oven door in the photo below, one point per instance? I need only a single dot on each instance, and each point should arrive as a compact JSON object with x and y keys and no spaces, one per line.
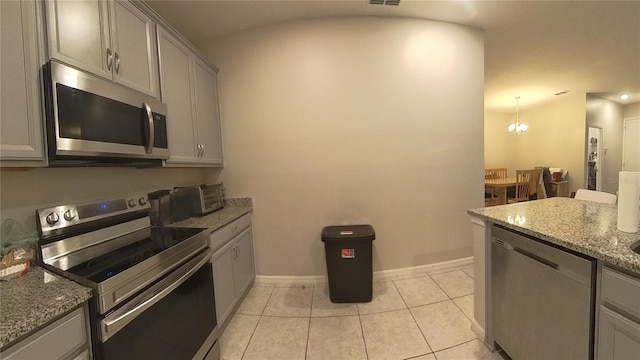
{"x":173,"y":319}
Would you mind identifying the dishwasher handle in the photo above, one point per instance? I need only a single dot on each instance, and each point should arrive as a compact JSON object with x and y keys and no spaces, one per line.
{"x":537,"y":258}
{"x":509,"y":247}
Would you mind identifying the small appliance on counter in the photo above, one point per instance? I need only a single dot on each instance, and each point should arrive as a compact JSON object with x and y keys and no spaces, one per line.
{"x":200,"y":200}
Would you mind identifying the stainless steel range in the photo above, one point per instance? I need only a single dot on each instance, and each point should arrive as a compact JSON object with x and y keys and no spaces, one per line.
{"x":153,"y":286}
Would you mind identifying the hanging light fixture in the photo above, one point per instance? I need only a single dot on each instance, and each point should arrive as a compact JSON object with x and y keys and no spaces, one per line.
{"x":517,"y":127}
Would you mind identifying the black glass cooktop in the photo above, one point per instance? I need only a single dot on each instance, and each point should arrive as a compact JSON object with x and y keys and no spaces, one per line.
{"x":144,"y":244}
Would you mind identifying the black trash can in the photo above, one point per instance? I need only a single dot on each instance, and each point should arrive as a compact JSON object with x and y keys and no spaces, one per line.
{"x":348,"y":249}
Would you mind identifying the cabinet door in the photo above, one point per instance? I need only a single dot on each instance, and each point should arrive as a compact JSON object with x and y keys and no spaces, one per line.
{"x":134,"y":48}
{"x":20,"y":106}
{"x":243,"y":270}
{"x":79,"y":34}
{"x":56,"y":341}
{"x":177,"y":93}
{"x":618,"y":337}
{"x":207,"y":114}
{"x":223,"y":283}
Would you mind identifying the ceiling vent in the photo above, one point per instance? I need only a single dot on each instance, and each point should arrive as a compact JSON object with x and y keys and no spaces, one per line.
{"x":384,"y":2}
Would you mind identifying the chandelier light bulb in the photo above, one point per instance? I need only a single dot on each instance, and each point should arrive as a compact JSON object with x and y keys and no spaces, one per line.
{"x":517,"y":127}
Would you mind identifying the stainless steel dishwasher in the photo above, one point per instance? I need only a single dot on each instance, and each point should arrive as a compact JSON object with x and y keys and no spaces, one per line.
{"x":542,"y":299}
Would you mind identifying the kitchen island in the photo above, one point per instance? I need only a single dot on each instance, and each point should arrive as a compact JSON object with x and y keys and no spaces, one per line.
{"x":584,"y":228}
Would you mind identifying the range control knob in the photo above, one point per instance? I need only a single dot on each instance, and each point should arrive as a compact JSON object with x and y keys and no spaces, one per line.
{"x":52,"y":218}
{"x":132,"y":203}
{"x":142,"y":201}
{"x":69,"y":215}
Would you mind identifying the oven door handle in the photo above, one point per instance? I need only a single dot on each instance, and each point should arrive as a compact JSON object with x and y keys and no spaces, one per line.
{"x":120,"y":318}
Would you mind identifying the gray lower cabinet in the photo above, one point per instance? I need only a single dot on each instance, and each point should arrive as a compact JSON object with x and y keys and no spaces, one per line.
{"x":21,"y":136}
{"x":67,"y":338}
{"x":618,"y":316}
{"x":233,"y":265}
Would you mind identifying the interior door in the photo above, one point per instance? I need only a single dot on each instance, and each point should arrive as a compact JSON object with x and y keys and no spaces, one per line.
{"x":631,"y":145}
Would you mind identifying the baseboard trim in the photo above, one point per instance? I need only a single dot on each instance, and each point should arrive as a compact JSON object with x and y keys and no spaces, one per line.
{"x":377,"y":275}
{"x":478,"y":330}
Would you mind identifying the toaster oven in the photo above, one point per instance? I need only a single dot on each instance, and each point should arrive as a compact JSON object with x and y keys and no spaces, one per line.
{"x":202,"y":199}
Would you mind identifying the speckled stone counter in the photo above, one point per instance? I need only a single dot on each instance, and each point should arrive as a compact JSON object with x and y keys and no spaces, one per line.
{"x":583,"y":226}
{"x":29,"y":302}
{"x":233,"y":209}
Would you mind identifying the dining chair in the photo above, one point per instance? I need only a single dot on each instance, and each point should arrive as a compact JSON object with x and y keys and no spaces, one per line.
{"x":597,"y":196}
{"x":490,"y":196}
{"x":534,"y":187}
{"x":496,"y":173}
{"x":523,"y":183}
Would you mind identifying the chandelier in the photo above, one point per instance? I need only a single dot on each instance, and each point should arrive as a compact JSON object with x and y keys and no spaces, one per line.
{"x":517,"y":127}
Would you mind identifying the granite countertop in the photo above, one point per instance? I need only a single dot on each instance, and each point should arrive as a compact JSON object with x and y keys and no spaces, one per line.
{"x":29,"y":302}
{"x":233,"y":209}
{"x":586,"y":227}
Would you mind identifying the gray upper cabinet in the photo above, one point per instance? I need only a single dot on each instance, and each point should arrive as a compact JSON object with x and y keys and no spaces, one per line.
{"x":207,"y":113}
{"x":112,"y":39}
{"x":190,"y":90}
{"x":21,"y":136}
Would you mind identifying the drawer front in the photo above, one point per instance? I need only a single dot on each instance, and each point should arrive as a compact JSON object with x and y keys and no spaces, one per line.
{"x":228,"y":232}
{"x":621,"y":290}
{"x":54,"y":341}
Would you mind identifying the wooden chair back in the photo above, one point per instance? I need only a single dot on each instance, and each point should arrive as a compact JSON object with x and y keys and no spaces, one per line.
{"x":523,"y":183}
{"x":534,"y":187}
{"x":497,"y":173}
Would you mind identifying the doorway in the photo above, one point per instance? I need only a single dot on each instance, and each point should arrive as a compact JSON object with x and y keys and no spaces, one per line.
{"x":631,"y":145}
{"x":594,"y":159}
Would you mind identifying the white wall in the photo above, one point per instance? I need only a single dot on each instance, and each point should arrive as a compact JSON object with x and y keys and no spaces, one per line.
{"x":608,"y":116}
{"x":499,"y":145}
{"x":555,"y":138}
{"x":632,"y":110}
{"x":354,"y":120}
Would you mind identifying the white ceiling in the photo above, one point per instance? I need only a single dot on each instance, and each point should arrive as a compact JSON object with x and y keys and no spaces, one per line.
{"x":533,"y":49}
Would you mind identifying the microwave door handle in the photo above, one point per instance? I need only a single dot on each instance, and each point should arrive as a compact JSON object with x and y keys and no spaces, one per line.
{"x":150,"y":128}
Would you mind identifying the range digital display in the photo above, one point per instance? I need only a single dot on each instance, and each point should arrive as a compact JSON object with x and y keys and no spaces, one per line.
{"x":101,"y":208}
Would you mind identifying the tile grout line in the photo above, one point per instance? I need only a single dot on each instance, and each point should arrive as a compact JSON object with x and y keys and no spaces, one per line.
{"x":451,"y":347}
{"x":259,"y":319}
{"x":364,"y":341}
{"x":414,"y":320}
{"x":306,"y":349}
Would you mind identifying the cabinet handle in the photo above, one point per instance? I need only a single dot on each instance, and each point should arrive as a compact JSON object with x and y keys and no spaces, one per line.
{"x":109,"y":59}
{"x":202,"y":146}
{"x":150,"y":128}
{"x":117,"y":63}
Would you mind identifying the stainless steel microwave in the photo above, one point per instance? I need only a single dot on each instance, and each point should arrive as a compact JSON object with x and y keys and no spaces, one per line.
{"x":92,"y":121}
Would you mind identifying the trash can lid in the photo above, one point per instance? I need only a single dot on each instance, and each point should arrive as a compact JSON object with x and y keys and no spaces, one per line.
{"x":348,"y":232}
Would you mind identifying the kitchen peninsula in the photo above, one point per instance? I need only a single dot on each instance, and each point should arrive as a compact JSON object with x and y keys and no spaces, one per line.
{"x":582,"y":229}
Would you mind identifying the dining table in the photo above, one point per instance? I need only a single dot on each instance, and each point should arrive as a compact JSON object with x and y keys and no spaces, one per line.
{"x":500,"y":186}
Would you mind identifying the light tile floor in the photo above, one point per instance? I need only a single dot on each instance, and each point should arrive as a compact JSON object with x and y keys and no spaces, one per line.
{"x":422,"y":316}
